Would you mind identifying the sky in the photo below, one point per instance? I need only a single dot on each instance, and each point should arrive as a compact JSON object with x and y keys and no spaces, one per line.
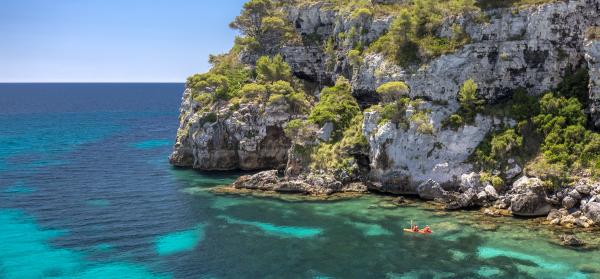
{"x":112,"y":40}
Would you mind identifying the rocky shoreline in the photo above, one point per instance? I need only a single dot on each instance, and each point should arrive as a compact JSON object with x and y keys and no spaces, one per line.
{"x":574,"y":207}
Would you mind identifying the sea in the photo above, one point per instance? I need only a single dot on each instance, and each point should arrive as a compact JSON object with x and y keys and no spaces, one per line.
{"x":86,"y":191}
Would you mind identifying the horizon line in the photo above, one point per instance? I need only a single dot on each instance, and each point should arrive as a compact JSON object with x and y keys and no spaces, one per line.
{"x":75,"y":82}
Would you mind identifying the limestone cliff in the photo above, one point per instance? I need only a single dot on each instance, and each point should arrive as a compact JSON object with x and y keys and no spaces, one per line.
{"x":501,"y":49}
{"x":249,"y":137}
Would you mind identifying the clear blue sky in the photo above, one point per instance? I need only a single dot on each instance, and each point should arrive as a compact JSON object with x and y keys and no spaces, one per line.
{"x":111,"y":40}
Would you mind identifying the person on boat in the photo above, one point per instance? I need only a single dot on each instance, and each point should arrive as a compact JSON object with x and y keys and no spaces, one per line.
{"x":415,"y":228}
{"x":427,"y":229}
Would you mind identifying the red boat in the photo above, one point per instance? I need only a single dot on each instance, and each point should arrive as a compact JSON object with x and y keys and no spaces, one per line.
{"x":419,"y":232}
{"x":414,"y":229}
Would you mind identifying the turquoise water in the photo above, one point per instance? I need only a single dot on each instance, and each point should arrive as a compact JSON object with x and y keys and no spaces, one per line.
{"x":86,"y":192}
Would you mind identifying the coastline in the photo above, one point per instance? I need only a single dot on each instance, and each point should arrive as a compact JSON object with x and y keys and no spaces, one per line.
{"x":483,"y":219}
{"x":317,"y":188}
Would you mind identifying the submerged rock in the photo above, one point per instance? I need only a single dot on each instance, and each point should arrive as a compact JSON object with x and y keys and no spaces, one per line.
{"x":571,"y":240}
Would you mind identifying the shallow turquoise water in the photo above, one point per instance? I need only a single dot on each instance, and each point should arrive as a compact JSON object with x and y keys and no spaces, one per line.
{"x":86,"y":192}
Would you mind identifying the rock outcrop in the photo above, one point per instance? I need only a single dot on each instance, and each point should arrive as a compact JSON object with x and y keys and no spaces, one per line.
{"x":312,"y":184}
{"x":592,"y":56}
{"x":250,"y":137}
{"x":402,"y":159}
{"x":528,"y":198}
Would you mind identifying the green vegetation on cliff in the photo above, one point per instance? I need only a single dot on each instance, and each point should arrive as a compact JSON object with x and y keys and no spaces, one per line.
{"x":414,"y":37}
{"x":229,"y":82}
{"x":551,"y":138}
{"x":263,"y":25}
{"x":470,"y":106}
{"x":336,"y":105}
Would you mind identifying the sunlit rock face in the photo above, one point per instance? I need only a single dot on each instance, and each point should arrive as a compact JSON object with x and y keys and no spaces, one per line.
{"x":401,"y":158}
{"x":529,"y":48}
{"x":248,"y":138}
{"x":592,"y":55}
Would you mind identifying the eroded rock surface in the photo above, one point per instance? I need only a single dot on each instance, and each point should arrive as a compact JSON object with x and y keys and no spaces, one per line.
{"x":248,"y":138}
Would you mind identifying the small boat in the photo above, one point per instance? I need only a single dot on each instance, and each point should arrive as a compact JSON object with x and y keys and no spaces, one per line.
{"x":419,"y":232}
{"x":423,"y":231}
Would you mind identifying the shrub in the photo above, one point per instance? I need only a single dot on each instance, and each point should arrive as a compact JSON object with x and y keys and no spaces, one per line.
{"x":276,"y":99}
{"x":422,"y":121}
{"x":235,"y":103}
{"x":273,"y":69}
{"x":204,"y":99}
{"x":337,"y":155}
{"x":505,"y":144}
{"x":396,"y":113}
{"x":412,"y":36}
{"x":210,"y":117}
{"x":210,"y":83}
{"x":453,"y":122}
{"x":362,"y":13}
{"x":494,"y":151}
{"x":495,"y":180}
{"x":280,"y":87}
{"x":354,"y":57}
{"x":263,"y":24}
{"x":253,"y":92}
{"x":392,"y":91}
{"x":292,"y":127}
{"x":298,"y":102}
{"x":275,"y":30}
{"x":523,"y":106}
{"x":337,"y":105}
{"x":553,"y":175}
{"x":470,"y":104}
{"x":249,"y":22}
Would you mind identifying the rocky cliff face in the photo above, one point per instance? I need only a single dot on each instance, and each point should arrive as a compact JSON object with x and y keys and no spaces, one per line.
{"x":249,"y":137}
{"x":592,"y":55}
{"x":529,"y":48}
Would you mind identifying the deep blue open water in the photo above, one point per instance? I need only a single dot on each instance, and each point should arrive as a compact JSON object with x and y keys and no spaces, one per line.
{"x":86,"y":192}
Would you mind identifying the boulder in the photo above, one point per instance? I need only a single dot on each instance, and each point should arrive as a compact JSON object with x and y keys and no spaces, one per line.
{"x":430,"y":190}
{"x":575,"y":194}
{"x":265,"y":181}
{"x":571,"y":240}
{"x":512,"y":171}
{"x":528,"y":198}
{"x":592,"y":211}
{"x":491,"y":192}
{"x":470,"y":180}
{"x":569,"y":202}
{"x":455,"y":201}
{"x":583,"y":189}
